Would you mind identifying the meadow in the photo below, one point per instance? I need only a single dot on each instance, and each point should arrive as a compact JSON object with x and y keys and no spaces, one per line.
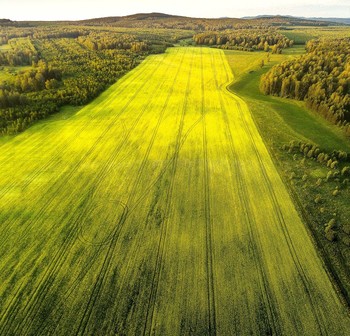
{"x":156,"y":209}
{"x":302,"y":34}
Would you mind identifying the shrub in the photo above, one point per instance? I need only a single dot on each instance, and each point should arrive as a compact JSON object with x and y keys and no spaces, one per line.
{"x":330,"y":235}
{"x":346,"y":228}
{"x":329,"y":176}
{"x":320,"y":157}
{"x":345,"y":171}
{"x":318,"y":182}
{"x":334,"y":164}
{"x":342,"y":155}
{"x":346,"y":240}
{"x":310,"y":153}
{"x":330,"y":225}
{"x":292,"y":176}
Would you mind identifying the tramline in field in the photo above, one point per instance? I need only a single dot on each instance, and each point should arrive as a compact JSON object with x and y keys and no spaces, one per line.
{"x":156,"y":209}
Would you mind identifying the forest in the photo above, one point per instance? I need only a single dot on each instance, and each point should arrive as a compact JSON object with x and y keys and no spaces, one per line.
{"x":321,"y":78}
{"x":160,"y":20}
{"x":245,"y":39}
{"x":66,"y":66}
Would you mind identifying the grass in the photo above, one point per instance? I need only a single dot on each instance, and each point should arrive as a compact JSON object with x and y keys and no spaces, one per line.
{"x":156,"y":209}
{"x":5,"y":47}
{"x":301,"y":35}
{"x":281,"y":121}
{"x":9,"y":72}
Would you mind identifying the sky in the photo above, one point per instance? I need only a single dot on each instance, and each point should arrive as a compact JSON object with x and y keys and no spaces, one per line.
{"x":86,"y":9}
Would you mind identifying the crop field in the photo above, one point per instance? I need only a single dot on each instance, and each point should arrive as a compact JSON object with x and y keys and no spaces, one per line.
{"x":301,"y":35}
{"x":156,"y":209}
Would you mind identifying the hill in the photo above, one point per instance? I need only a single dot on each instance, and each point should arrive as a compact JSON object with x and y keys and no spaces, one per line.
{"x":300,"y":21}
{"x":6,"y":22}
{"x":160,"y":20}
{"x":167,"y":21}
{"x":336,"y":20}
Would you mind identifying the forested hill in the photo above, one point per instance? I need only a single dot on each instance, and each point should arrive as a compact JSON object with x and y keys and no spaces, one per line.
{"x":7,"y":22}
{"x":298,"y":21}
{"x":160,"y":20}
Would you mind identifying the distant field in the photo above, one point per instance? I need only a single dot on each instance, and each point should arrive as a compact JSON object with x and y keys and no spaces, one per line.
{"x":8,"y":72}
{"x":301,"y":35}
{"x":156,"y":209}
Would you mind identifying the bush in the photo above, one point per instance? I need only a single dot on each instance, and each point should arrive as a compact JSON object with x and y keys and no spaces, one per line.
{"x":331,"y":235}
{"x":310,"y":153}
{"x":329,"y":176}
{"x":346,"y":228}
{"x":320,"y":157}
{"x":346,"y":240}
{"x":334,"y":164}
{"x":292,"y":176}
{"x":330,"y":225}
{"x":345,"y":171}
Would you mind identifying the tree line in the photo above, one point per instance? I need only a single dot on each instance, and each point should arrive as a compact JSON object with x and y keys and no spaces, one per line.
{"x":245,"y":39}
{"x":321,"y":78}
{"x":103,"y":41}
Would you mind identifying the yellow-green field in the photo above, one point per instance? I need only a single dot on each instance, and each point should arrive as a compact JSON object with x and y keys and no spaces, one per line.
{"x":156,"y":209}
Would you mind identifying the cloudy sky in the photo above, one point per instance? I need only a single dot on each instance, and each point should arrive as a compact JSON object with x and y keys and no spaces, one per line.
{"x":85,"y":9}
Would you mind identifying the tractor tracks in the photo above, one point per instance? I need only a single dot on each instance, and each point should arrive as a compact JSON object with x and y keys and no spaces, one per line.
{"x":43,"y":287}
{"x":277,"y":210}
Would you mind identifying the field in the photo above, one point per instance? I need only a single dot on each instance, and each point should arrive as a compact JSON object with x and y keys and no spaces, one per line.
{"x":301,"y":35}
{"x":156,"y":209}
{"x":282,"y":120}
